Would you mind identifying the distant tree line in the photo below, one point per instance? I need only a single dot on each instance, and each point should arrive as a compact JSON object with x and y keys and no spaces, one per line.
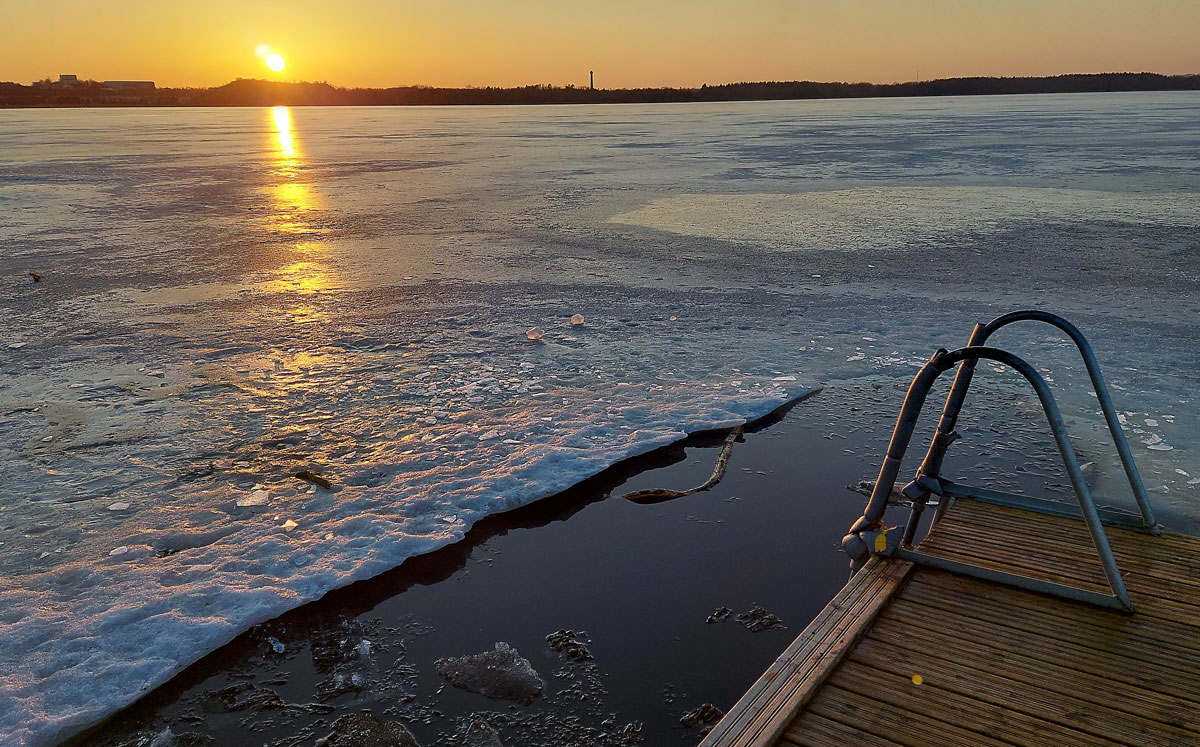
{"x":249,"y":92}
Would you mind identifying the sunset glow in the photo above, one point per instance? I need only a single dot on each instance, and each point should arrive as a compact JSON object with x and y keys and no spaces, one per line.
{"x":627,"y":43}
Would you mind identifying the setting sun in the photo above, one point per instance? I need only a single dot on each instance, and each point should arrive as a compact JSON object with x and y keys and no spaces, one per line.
{"x":275,"y":62}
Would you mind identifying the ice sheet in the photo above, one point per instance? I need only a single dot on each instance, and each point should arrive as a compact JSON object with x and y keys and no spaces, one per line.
{"x":224,"y":303}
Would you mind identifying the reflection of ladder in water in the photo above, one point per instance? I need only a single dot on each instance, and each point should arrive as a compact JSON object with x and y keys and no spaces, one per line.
{"x":929,"y":481}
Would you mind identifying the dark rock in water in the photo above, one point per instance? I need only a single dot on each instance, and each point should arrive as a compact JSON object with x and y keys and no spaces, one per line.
{"x":862,"y":487}
{"x":566,"y":643}
{"x":361,"y":730}
{"x":756,"y":619}
{"x":480,"y":734}
{"x":314,"y":478}
{"x":501,"y":674}
{"x":37,"y":278}
{"x":719,"y":615}
{"x":702,"y":717}
{"x":166,"y":738}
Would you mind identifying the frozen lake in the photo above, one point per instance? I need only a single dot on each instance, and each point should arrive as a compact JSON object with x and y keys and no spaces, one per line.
{"x":229,"y":296}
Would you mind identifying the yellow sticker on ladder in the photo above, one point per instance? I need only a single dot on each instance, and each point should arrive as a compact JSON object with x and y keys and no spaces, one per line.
{"x":881,"y":541}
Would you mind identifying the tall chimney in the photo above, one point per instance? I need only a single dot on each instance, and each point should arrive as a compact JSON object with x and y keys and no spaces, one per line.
{"x":592,"y":74}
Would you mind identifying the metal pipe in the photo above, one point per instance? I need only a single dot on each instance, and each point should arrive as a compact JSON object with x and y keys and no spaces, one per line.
{"x":1011,"y":579}
{"x":1102,"y":394}
{"x":1086,"y":505}
{"x":918,"y":391}
{"x":931,"y":466}
{"x":872,"y":516}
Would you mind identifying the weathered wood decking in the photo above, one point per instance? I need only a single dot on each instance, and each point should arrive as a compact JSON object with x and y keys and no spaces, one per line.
{"x":997,"y":665}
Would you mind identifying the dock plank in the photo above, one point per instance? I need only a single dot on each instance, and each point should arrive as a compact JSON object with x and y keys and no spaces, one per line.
{"x":903,"y":724}
{"x":810,"y":730}
{"x":765,"y":711}
{"x":1000,"y":665}
{"x":1011,"y":726}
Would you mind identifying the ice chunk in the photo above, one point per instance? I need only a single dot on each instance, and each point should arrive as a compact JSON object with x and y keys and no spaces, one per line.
{"x":289,"y":525}
{"x":276,"y":644}
{"x":118,"y":506}
{"x":535,"y":333}
{"x":756,"y":619}
{"x":256,"y":498}
{"x":781,"y":378}
{"x":702,"y":717}
{"x":119,"y":550}
{"x":361,"y":730}
{"x":577,"y":320}
{"x":501,"y":674}
{"x":17,"y":345}
{"x":568,"y":643}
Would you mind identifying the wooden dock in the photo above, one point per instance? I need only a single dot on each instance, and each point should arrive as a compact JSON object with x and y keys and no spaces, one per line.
{"x":908,"y":655}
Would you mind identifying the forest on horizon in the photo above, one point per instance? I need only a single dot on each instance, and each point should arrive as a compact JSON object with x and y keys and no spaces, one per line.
{"x":253,"y":92}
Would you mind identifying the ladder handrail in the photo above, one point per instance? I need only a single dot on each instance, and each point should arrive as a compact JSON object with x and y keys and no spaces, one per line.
{"x":872,"y":518}
{"x":932,"y":464}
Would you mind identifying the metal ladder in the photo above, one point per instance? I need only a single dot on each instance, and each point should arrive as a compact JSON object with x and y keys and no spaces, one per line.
{"x":929,"y":480}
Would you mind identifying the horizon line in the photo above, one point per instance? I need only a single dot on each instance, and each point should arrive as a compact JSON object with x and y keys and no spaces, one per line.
{"x":474,"y":86}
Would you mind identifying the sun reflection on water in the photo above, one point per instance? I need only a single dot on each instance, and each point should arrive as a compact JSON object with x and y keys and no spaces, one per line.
{"x":283,"y":131}
{"x":294,"y":203}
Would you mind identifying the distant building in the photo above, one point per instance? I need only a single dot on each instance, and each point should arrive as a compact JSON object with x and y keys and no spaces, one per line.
{"x":67,"y":80}
{"x":129,"y":85}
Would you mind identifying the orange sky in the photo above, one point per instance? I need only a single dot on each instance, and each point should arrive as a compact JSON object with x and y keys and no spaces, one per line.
{"x":627,"y":42}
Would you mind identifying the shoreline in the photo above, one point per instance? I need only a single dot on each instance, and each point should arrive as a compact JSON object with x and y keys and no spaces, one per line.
{"x":637,"y":582}
{"x":448,"y":582}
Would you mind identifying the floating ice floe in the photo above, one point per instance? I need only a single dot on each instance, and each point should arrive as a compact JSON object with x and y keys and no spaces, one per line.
{"x":119,"y":550}
{"x":276,"y":644}
{"x":577,"y":320}
{"x":502,"y":674}
{"x":289,"y":525}
{"x":118,"y":506}
{"x":535,"y":333}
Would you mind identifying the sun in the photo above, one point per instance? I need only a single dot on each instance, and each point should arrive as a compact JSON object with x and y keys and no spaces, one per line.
{"x":275,"y":62}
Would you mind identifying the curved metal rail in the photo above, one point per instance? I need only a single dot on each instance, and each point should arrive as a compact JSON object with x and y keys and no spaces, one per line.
{"x":932,"y":465}
{"x":926,"y":484}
